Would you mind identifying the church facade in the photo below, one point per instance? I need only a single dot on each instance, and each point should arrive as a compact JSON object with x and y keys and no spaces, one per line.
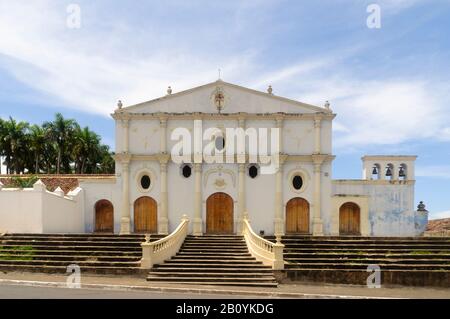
{"x":151,"y":191}
{"x":219,"y":152}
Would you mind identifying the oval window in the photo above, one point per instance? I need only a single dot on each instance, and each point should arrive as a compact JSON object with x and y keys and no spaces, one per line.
{"x":187,"y":171}
{"x":145,"y":182}
{"x":297,"y":182}
{"x":220,"y":143}
{"x":253,"y":171}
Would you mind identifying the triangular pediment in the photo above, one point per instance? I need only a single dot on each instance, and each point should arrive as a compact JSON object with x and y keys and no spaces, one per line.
{"x":231,"y":98}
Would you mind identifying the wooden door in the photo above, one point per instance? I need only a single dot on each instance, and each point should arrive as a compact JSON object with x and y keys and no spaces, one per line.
{"x":349,"y":219}
{"x":297,"y":216}
{"x":219,"y":214}
{"x":145,"y":215}
{"x":104,"y":216}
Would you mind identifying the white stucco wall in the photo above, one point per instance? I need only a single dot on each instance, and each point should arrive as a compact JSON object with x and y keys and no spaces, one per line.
{"x":35,"y":210}
{"x":391,"y":211}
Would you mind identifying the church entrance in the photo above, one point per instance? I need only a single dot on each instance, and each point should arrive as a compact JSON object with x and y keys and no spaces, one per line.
{"x":219,"y":214}
{"x":104,"y":216}
{"x":349,"y":219}
{"x":297,"y":216}
{"x":145,"y":215}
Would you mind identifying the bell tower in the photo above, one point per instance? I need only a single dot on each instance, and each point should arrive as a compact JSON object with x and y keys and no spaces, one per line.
{"x":389,"y":167}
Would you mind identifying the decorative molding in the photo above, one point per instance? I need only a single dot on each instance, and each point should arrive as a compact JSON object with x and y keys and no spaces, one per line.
{"x":225,"y":116}
{"x":219,"y":170}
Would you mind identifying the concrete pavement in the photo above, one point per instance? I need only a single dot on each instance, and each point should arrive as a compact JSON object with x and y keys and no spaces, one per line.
{"x":137,"y":284}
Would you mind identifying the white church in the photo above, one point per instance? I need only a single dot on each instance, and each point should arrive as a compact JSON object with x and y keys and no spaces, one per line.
{"x":289,"y":189}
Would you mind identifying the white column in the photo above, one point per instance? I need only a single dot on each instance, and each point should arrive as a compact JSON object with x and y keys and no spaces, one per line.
{"x":163,"y":135}
{"x":125,"y":215}
{"x":163,"y":221}
{"x":126,"y":139}
{"x":279,"y":125}
{"x":198,"y":205}
{"x":278,"y":223}
{"x":317,"y":219}
{"x":317,"y":128}
{"x":241,"y":197}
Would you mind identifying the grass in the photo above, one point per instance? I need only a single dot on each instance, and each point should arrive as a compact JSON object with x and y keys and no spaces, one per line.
{"x":17,"y":253}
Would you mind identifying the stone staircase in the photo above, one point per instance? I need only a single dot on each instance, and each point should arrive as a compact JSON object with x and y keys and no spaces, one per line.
{"x":52,"y":253}
{"x":403,"y":261}
{"x":214,"y":260}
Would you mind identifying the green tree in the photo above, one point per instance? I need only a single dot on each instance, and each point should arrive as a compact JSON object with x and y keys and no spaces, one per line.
{"x":61,"y":131}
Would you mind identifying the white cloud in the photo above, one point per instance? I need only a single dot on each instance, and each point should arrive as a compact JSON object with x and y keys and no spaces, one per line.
{"x":440,"y":215}
{"x":437,"y":171}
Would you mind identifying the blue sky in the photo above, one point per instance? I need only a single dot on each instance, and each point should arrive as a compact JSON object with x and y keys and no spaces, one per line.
{"x":390,"y":86}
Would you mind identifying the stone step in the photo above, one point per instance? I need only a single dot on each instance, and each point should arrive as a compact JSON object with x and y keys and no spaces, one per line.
{"x":365,"y":246}
{"x":368,"y":260}
{"x":74,"y":238}
{"x":213,"y":254}
{"x":18,"y":256}
{"x":68,"y":242}
{"x":215,"y":283}
{"x":75,"y":247}
{"x":65,"y":263}
{"x":339,"y":266}
{"x":211,"y":257}
{"x":364,"y":241}
{"x":176,"y":268}
{"x":419,"y":255}
{"x":211,"y":247}
{"x":209,"y":273}
{"x":57,"y":252}
{"x":362,"y":250}
{"x":344,"y":238}
{"x":212,"y":279}
{"x":78,"y":235}
{"x":223,"y":250}
{"x":204,"y":264}
{"x":128,"y":270}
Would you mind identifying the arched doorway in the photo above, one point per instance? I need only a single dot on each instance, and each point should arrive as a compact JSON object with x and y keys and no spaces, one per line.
{"x":104,"y":216}
{"x":349,"y":219}
{"x":145,"y":215}
{"x":219,"y":214}
{"x":297,"y":216}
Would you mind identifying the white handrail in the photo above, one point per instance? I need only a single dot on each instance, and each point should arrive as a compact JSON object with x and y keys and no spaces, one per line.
{"x":160,"y":250}
{"x":270,"y":254}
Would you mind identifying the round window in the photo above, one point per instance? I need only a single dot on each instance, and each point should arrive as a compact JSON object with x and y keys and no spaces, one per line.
{"x":253,"y":171}
{"x":145,"y":182}
{"x":186,"y":171}
{"x":220,"y":143}
{"x":297,"y":182}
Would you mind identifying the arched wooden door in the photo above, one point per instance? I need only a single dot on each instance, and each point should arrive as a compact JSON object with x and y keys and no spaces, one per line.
{"x":297,"y":216}
{"x":104,"y":216}
{"x":349,"y":219}
{"x":219,"y":214}
{"x":145,"y":215}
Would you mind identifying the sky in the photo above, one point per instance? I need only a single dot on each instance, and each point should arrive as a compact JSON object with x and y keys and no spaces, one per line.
{"x":390,"y":86}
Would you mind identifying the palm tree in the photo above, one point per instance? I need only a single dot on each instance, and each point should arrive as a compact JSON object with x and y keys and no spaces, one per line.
{"x":37,"y":144}
{"x":14,"y":144}
{"x":61,"y":132}
{"x":86,"y":147}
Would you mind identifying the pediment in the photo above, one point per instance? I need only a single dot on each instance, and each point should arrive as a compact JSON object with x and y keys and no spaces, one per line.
{"x":230,"y":98}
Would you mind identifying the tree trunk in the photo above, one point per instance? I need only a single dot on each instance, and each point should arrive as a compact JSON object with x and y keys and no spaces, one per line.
{"x":58,"y":161}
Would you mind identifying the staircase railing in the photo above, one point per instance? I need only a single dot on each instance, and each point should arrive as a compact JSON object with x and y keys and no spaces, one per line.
{"x":270,"y":254}
{"x":160,"y":250}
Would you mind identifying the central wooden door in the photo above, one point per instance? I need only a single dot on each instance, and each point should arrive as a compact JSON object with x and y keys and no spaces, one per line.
{"x":219,"y":214}
{"x":104,"y":216}
{"x":297,"y":216}
{"x":349,"y":219}
{"x":145,"y":215}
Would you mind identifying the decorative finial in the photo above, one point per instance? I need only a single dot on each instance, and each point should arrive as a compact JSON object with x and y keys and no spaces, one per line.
{"x":270,"y":90}
{"x":147,"y":238}
{"x":119,"y":104}
{"x":421,"y":207}
{"x":219,"y":70}
{"x":169,"y":90}
{"x":327,"y":105}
